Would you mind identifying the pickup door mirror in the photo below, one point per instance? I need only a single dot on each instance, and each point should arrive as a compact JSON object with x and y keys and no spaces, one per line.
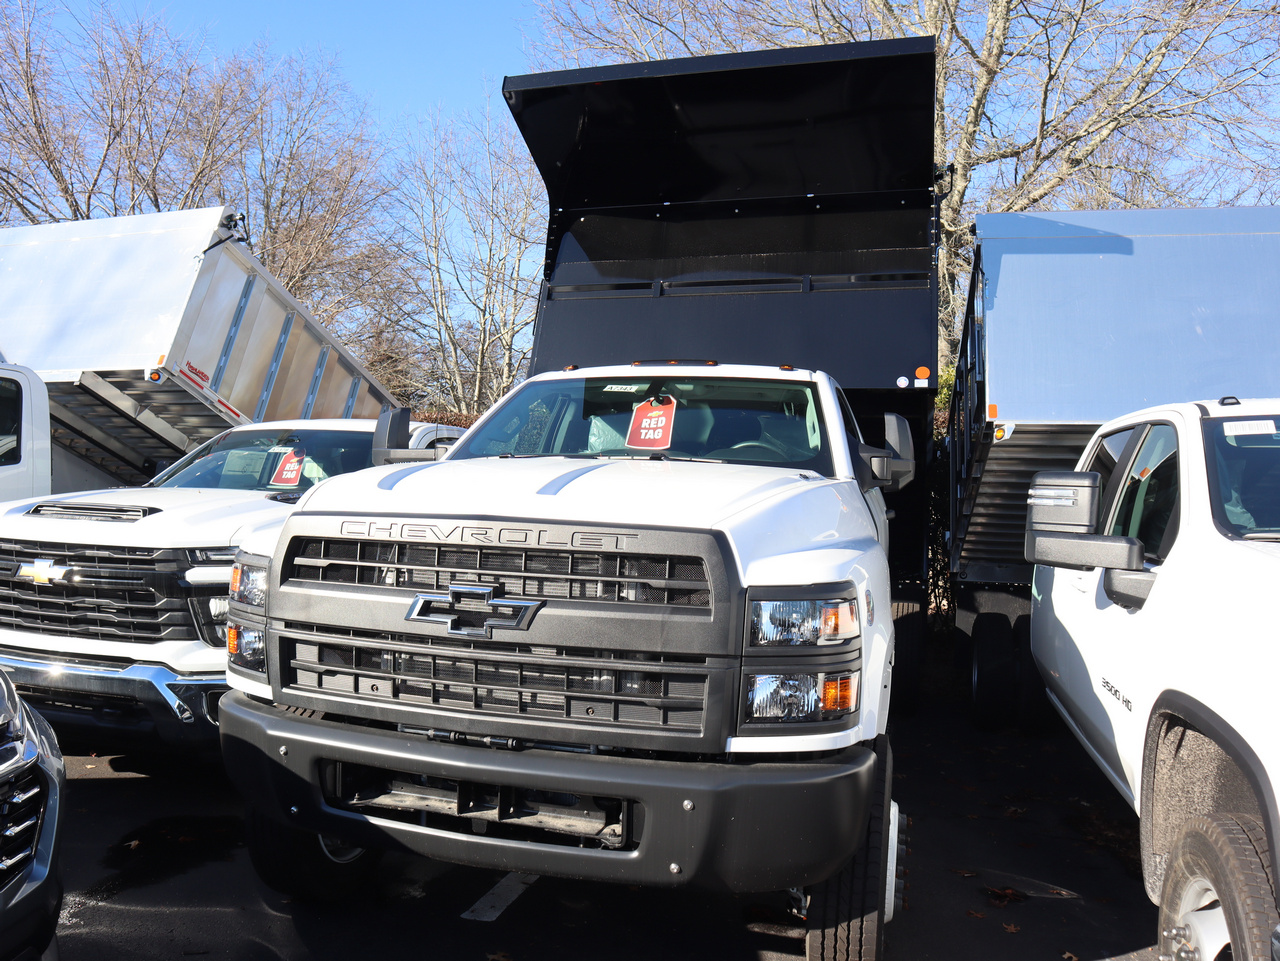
{"x":893,"y":467}
{"x":1062,"y":514}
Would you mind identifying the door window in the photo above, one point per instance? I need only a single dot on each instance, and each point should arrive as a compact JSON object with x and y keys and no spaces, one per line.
{"x":1148,"y":504}
{"x":10,"y":422}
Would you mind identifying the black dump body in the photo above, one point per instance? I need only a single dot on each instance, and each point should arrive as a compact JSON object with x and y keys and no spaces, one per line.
{"x":774,"y":207}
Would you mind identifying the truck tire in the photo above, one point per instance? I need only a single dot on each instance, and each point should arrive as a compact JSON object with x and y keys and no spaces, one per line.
{"x":994,"y":672}
{"x":305,"y":865}
{"x":908,"y":650}
{"x":1217,"y":893}
{"x":846,"y":912}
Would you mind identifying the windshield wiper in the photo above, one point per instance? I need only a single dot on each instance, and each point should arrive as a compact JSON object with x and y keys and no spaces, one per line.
{"x":1262,"y":536}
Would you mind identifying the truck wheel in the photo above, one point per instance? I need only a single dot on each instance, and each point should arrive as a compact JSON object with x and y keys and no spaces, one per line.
{"x":1217,"y":900}
{"x":995,"y":672}
{"x":908,"y":651}
{"x":306,"y":865}
{"x":846,"y":912}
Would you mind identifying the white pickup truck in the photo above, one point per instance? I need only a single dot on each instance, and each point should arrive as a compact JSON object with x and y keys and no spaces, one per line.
{"x":1155,"y":640}
{"x":113,"y":602}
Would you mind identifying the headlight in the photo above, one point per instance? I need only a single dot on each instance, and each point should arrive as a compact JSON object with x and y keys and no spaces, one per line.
{"x":801,"y":697}
{"x":210,"y":615}
{"x":212,"y":555}
{"x":803,"y":623}
{"x":247,"y":647}
{"x":12,"y":723}
{"x":249,"y":584}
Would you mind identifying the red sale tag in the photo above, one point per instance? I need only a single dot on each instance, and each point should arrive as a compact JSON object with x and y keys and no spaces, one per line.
{"x":290,"y":470}
{"x":651,"y":424}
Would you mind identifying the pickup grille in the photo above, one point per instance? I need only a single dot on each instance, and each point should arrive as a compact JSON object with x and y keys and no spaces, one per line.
{"x":578,"y":575}
{"x":22,"y":799}
{"x":589,"y":687}
{"x":102,"y":593}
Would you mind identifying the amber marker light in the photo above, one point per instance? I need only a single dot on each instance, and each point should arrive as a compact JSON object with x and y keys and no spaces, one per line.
{"x":837,"y":693}
{"x":233,"y":639}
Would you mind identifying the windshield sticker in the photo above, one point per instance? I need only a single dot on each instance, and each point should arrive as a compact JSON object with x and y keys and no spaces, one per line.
{"x":289,"y":472}
{"x":623,"y":388}
{"x":1235,"y":428}
{"x":651,"y":424}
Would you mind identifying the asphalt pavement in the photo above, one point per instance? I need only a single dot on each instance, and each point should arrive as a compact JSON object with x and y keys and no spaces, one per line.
{"x":1018,"y":849}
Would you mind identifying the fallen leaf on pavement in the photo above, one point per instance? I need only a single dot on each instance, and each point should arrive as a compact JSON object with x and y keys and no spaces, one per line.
{"x":976,"y":914}
{"x":1068,"y":956}
{"x":1012,"y":928}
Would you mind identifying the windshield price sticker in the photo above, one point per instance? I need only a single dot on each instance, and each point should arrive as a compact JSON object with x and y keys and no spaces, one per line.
{"x":289,"y":472}
{"x":1235,"y":428}
{"x":623,"y":388}
{"x":651,"y":424}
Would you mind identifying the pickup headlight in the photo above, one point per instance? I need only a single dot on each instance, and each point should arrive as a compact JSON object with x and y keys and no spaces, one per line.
{"x":801,"y":697}
{"x":247,"y":647}
{"x":249,"y":584}
{"x":803,"y":623}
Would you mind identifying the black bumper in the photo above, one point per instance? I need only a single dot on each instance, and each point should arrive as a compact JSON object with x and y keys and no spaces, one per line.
{"x":123,"y":702}
{"x":742,"y":827}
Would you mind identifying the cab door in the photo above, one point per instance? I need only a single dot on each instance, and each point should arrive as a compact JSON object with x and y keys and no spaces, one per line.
{"x":1091,"y":650}
{"x":24,"y":434}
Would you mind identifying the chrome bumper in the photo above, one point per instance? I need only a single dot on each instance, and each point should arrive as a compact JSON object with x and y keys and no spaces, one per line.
{"x":142,"y":699}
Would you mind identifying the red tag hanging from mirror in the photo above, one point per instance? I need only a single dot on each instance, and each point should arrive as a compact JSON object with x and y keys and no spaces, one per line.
{"x":651,"y":424}
{"x":289,"y":471}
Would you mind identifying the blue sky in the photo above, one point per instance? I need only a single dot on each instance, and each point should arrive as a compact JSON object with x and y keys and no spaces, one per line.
{"x":405,"y":57}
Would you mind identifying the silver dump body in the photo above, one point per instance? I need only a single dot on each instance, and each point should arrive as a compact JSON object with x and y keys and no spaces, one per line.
{"x":1078,"y":317}
{"x":154,"y":332}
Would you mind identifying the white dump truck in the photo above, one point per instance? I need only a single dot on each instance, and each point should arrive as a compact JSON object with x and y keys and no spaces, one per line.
{"x":638,"y":625}
{"x":141,"y":340}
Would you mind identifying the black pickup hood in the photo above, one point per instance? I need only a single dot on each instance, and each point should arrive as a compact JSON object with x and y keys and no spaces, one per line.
{"x":750,"y":208}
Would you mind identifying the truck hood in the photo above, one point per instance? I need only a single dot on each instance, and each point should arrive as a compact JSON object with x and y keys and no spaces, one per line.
{"x":625,"y":491}
{"x":177,"y":517}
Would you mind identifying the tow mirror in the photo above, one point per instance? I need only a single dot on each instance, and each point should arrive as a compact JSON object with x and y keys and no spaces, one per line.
{"x":893,"y":467}
{"x":1062,"y":514}
{"x":391,"y":434}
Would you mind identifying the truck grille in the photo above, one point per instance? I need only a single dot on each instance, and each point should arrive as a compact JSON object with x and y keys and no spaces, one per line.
{"x":578,"y":575}
{"x":22,"y":800}
{"x":590,"y":687}
{"x":102,"y":593}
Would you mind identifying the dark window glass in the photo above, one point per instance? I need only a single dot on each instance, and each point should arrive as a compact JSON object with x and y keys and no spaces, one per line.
{"x":1244,"y":474}
{"x":1149,"y":495}
{"x":10,"y":421}
{"x":271,"y":459}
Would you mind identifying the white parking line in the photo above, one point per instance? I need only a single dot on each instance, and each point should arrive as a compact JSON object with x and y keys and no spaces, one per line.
{"x":499,"y":898}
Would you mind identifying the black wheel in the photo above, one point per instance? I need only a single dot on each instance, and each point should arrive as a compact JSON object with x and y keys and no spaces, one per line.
{"x":846,"y":912}
{"x":908,"y":650}
{"x":995,"y":672}
{"x":306,"y":865}
{"x":1218,"y":901}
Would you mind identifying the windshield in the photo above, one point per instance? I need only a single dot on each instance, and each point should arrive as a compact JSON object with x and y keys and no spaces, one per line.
{"x":1244,"y":475}
{"x":270,"y":459}
{"x":771,"y":423}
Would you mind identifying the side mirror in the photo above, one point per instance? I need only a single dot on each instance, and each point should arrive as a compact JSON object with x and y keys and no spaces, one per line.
{"x":391,"y":434}
{"x":1062,"y":513}
{"x":441,"y":450}
{"x":894,"y":467}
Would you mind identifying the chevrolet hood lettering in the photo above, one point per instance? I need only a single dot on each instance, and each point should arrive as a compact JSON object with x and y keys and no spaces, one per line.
{"x":486,"y":535}
{"x":509,"y":614}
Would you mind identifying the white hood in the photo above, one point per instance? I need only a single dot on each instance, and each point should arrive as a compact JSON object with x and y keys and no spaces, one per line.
{"x":181,"y":517}
{"x":632,"y":492}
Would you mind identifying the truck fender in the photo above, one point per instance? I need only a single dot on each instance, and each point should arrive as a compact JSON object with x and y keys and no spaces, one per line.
{"x":1221,"y":738}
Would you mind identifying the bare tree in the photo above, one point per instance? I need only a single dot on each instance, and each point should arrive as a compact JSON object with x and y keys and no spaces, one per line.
{"x":472,"y":211}
{"x":1071,"y":102}
{"x":309,"y":175}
